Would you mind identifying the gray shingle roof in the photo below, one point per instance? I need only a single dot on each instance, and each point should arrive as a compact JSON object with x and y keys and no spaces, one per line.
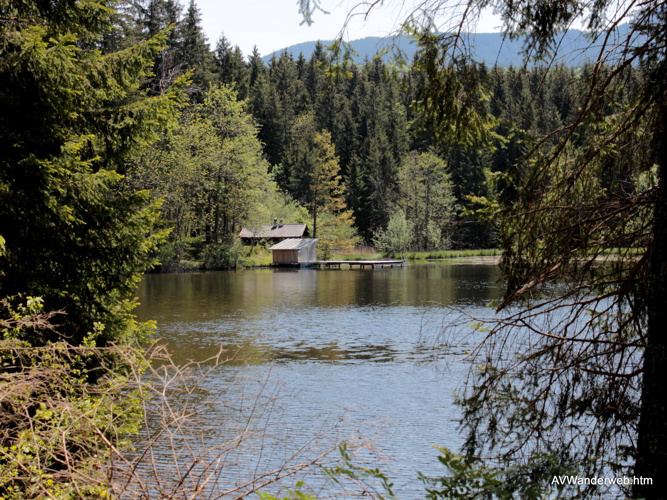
{"x":275,"y":231}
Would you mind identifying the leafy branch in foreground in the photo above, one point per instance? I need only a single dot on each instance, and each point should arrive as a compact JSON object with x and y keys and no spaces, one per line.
{"x":472,"y":480}
{"x":58,"y":430}
{"x":360,"y":475}
{"x":132,"y":433}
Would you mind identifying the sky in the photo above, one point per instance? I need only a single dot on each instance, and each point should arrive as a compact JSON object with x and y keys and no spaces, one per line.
{"x":275,"y":24}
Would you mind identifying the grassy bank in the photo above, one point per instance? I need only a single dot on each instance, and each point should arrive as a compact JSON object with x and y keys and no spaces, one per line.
{"x":440,"y":254}
{"x":449,"y":254}
{"x":256,"y":257}
{"x":261,"y":257}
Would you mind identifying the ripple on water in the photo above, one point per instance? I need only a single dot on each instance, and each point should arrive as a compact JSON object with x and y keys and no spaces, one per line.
{"x":331,"y":354}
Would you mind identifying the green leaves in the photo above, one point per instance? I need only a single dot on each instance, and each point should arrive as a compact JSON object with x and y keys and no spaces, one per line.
{"x":473,"y":480}
{"x":59,"y":429}
{"x":290,"y":494}
{"x":212,"y":177}
{"x":398,"y":237}
{"x":426,"y":192}
{"x":351,"y":471}
{"x":451,"y":100}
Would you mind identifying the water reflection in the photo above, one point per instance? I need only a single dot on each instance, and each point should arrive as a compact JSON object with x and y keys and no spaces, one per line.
{"x":306,"y":315}
{"x":362,"y":345}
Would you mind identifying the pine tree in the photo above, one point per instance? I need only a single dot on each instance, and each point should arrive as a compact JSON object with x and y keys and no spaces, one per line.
{"x":194,"y":52}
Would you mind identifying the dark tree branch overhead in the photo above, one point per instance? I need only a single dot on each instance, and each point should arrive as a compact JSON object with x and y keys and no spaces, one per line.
{"x":577,"y":361}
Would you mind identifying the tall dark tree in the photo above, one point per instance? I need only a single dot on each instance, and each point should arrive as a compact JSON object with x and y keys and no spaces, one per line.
{"x":194,"y":52}
{"x":73,"y":235}
{"x":230,"y":67}
{"x":256,"y":66}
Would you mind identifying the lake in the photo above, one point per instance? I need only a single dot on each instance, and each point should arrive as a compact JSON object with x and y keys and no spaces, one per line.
{"x":317,"y":357}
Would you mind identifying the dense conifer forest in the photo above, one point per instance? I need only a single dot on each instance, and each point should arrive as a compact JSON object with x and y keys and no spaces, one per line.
{"x":249,"y":142}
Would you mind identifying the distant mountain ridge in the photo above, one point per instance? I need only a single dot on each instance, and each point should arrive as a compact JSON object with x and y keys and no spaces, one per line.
{"x":491,"y":48}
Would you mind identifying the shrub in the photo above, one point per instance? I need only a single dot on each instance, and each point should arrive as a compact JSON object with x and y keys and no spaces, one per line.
{"x":397,"y":237}
{"x":222,"y":255}
{"x":59,"y":428}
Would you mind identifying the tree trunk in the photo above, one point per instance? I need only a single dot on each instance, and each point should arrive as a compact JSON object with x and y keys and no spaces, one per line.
{"x":652,"y":433}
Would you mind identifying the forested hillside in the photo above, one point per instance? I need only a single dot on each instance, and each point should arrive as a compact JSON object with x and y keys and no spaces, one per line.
{"x":576,"y":48}
{"x":259,"y":141}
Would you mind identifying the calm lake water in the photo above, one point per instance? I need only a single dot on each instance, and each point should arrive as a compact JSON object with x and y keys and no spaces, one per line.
{"x":322,"y":356}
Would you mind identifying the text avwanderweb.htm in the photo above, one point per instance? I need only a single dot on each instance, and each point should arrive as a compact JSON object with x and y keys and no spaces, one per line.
{"x":600,"y":481}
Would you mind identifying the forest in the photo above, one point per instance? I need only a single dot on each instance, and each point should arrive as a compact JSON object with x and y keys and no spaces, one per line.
{"x":130,"y":146}
{"x":256,"y":140}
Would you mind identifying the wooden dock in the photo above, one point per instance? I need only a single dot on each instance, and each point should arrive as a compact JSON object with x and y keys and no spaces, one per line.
{"x":335,"y":264}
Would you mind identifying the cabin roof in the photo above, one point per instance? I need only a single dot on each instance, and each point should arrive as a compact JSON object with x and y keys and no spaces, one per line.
{"x":293,"y":244}
{"x":275,"y":231}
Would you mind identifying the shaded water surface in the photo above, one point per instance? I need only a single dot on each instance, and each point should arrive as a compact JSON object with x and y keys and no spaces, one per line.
{"x":358,"y":351}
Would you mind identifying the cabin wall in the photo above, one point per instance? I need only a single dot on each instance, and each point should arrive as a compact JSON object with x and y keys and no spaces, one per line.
{"x":285,"y":256}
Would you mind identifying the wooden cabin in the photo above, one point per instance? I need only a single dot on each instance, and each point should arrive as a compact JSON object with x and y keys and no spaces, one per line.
{"x":273,"y":233}
{"x":294,"y":251}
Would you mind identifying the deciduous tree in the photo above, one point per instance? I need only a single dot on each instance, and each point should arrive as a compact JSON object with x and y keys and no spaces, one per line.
{"x":426,"y":194}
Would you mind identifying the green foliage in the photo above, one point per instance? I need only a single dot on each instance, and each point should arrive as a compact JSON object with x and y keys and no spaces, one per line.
{"x":193,"y":51}
{"x":426,"y":194}
{"x":289,"y":494}
{"x":326,"y":190}
{"x":256,"y":255}
{"x":230,"y":68}
{"x":351,"y":471}
{"x":293,"y":100}
{"x":357,"y":256}
{"x":239,"y":179}
{"x":398,"y":236}
{"x":278,"y":205}
{"x":222,"y":255}
{"x":299,"y":162}
{"x":452,"y":92}
{"x":471,"y":480}
{"x":336,"y":233}
{"x":59,"y":429}
{"x":450,"y":254}
{"x":211,"y":176}
{"x":73,"y":235}
{"x":311,"y":170}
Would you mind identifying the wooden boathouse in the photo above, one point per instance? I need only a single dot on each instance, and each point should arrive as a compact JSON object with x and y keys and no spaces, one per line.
{"x":302,"y":252}
{"x":293,"y":251}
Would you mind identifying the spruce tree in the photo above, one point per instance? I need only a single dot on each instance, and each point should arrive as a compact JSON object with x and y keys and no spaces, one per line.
{"x":73,"y":234}
{"x":256,"y":66}
{"x":194,"y":52}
